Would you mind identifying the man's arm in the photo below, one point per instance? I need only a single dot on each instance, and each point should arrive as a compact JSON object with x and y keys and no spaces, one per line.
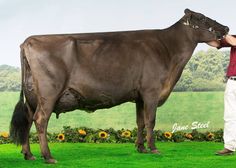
{"x":227,"y":41}
{"x":230,"y":39}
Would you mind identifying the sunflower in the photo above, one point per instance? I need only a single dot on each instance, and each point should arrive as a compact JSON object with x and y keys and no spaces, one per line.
{"x":126,"y":134}
{"x":189,"y":136}
{"x":168,"y":135}
{"x":103,"y":135}
{"x":61,"y":137}
{"x":210,"y":136}
{"x":82,"y":132}
{"x":4,"y":134}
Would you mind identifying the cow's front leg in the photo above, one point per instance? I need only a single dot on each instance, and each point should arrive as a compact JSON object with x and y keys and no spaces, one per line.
{"x":140,"y":123}
{"x":150,"y":107}
{"x":41,"y":117}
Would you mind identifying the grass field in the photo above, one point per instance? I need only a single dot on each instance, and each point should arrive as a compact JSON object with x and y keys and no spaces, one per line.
{"x":174,"y":155}
{"x":182,"y":108}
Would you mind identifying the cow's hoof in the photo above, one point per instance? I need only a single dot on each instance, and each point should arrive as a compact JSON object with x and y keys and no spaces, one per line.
{"x":142,"y":150}
{"x":155,"y":151}
{"x":30,"y":157}
{"x":51,"y":161}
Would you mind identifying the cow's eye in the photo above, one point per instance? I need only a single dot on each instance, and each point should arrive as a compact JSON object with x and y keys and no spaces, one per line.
{"x":203,"y":19}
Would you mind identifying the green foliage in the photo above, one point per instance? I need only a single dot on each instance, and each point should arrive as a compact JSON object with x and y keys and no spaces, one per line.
{"x":89,"y":135}
{"x":204,"y":72}
{"x":198,"y":136}
{"x":179,"y":137}
{"x":9,"y":78}
{"x":219,"y":136}
{"x":4,"y":139}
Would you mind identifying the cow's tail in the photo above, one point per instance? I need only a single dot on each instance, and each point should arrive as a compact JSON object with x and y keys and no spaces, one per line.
{"x":20,"y":123}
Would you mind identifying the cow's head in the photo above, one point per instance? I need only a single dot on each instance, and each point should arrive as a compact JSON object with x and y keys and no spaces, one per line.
{"x":205,"y":28}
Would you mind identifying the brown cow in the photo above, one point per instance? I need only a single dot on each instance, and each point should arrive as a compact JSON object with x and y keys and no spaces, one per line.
{"x":100,"y":70}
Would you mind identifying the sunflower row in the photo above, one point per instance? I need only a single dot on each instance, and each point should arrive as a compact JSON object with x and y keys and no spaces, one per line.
{"x":89,"y":135}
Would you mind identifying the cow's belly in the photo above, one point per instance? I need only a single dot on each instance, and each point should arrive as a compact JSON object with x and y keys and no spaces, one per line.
{"x":72,"y":99}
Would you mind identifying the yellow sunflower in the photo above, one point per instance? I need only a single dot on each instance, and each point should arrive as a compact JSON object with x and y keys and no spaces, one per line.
{"x":189,"y":136}
{"x":61,"y":137}
{"x":126,"y":134}
{"x":82,"y":132}
{"x":103,"y":135}
{"x":168,"y":135}
{"x":4,"y":134}
{"x":210,"y":136}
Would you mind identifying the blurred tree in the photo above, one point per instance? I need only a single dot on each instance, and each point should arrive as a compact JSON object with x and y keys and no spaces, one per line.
{"x":205,"y":71}
{"x":9,"y":78}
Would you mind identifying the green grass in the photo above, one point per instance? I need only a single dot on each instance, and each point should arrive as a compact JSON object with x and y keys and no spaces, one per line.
{"x":174,"y":155}
{"x":181,"y":107}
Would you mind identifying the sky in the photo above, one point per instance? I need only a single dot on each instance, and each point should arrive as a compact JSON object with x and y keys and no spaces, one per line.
{"x":20,"y":19}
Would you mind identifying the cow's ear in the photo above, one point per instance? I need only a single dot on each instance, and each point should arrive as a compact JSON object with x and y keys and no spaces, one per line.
{"x":187,"y":11}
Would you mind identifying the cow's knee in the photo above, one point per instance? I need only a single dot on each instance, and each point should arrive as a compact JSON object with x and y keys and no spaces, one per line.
{"x":40,"y":119}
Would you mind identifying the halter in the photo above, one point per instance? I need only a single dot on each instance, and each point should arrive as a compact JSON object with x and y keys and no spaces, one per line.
{"x":187,"y":23}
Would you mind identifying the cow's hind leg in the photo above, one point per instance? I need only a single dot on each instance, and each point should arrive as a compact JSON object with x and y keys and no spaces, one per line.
{"x":26,"y":146}
{"x":41,"y":118}
{"x":140,"y":123}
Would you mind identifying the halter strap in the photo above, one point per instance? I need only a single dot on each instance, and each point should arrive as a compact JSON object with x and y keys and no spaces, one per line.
{"x":187,"y":23}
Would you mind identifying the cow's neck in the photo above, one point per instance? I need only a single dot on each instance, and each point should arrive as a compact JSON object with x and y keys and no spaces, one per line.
{"x":180,"y":41}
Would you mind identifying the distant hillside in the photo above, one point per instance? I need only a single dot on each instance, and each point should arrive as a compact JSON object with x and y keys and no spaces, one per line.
{"x":9,"y":78}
